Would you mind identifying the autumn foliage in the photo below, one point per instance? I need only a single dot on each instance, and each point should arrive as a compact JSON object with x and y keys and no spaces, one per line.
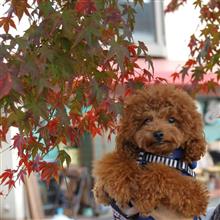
{"x":62,"y":77}
{"x":204,"y":46}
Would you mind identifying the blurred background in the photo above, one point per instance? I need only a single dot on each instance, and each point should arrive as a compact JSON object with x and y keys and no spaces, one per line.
{"x":167,"y":37}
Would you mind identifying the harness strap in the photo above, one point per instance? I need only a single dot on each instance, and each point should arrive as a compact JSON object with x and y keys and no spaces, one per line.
{"x":144,"y":158}
{"x":119,"y":214}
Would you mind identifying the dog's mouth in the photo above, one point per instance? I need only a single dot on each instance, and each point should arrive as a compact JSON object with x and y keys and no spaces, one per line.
{"x":161,"y":147}
{"x":160,"y":143}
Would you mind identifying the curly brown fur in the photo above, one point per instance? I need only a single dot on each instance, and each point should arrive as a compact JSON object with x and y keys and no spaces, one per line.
{"x":174,"y":190}
{"x":173,"y":112}
{"x":111,"y":173}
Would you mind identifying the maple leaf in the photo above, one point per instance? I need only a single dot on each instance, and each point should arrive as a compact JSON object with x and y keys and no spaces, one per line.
{"x":210,"y":85}
{"x":36,"y":164}
{"x":19,"y":143}
{"x":64,"y":157}
{"x":6,"y":22}
{"x":20,"y":7}
{"x":107,"y":34}
{"x":52,"y":126}
{"x":175,"y":76}
{"x":5,"y":84}
{"x":160,"y":79}
{"x":10,"y":183}
{"x":7,"y":177}
{"x":189,"y":63}
{"x":72,"y":135}
{"x":21,"y":174}
{"x":192,"y":42}
{"x":148,"y":74}
{"x":6,"y":174}
{"x":49,"y":170}
{"x":132,"y":49}
{"x":113,"y":16}
{"x":85,"y":6}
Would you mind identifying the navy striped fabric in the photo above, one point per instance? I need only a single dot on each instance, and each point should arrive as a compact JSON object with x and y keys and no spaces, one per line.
{"x":144,"y":158}
{"x":119,"y":215}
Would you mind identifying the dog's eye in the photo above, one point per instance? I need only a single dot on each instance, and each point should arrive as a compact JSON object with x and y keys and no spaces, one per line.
{"x":147,"y":120}
{"x":171,"y":120}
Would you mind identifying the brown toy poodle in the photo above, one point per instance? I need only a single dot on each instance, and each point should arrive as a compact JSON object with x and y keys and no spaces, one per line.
{"x":159,"y":139}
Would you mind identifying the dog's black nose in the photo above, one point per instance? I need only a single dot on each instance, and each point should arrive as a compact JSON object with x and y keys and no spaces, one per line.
{"x":158,"y":135}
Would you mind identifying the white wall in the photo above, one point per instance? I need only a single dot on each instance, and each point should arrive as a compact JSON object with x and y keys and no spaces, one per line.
{"x":13,"y":205}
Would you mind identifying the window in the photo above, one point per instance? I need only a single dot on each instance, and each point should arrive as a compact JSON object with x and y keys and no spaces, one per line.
{"x":149,"y":26}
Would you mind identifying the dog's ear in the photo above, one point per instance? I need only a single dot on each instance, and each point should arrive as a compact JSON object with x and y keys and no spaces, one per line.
{"x":195,"y":146}
{"x":193,"y":130}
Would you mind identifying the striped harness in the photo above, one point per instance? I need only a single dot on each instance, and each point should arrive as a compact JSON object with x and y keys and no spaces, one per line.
{"x":144,"y":158}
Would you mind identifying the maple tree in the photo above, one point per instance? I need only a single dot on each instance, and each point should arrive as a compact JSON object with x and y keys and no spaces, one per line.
{"x":61,"y":77}
{"x":204,"y":46}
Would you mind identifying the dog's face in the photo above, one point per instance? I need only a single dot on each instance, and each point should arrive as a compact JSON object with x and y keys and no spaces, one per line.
{"x":160,"y":119}
{"x":159,"y":131}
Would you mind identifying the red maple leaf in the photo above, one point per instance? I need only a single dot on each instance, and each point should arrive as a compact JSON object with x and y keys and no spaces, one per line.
{"x":175,"y":76}
{"x":7,"y":174}
{"x":113,"y":15}
{"x":132,"y":49}
{"x":52,"y":126}
{"x":85,"y":6}
{"x":10,"y":183}
{"x":36,"y":164}
{"x":5,"y":84}
{"x":7,"y":177}
{"x":193,"y":42}
{"x":19,"y":143}
{"x":190,"y":63}
{"x":49,"y":170}
{"x":72,"y":134}
{"x":22,"y":173}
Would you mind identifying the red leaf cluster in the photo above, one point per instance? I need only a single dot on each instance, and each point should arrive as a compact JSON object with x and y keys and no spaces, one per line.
{"x":65,"y":76}
{"x":85,"y":6}
{"x":60,"y":79}
{"x":49,"y":170}
{"x":7,"y":178}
